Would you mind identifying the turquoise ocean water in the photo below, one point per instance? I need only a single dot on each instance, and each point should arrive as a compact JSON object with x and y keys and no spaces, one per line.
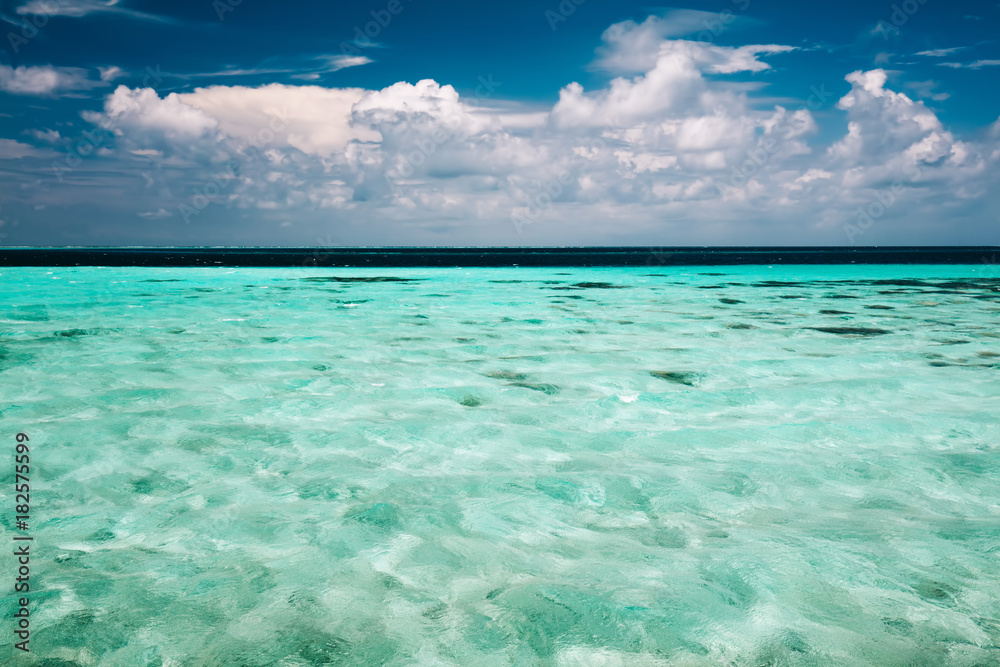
{"x":683,"y":466}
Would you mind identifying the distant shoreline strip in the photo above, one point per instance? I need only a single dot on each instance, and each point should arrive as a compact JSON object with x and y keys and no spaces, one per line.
{"x":495,"y":257}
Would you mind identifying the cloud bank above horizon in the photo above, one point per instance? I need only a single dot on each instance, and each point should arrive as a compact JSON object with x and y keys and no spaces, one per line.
{"x":682,"y":144}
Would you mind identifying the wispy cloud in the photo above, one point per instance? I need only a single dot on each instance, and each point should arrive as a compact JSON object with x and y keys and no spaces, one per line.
{"x":334,"y":63}
{"x":81,"y":8}
{"x":44,"y":80}
{"x":977,"y":64}
{"x":316,"y":67}
{"x":340,"y":62}
{"x":233,"y":71}
{"x":631,"y":48}
{"x":48,"y":136}
{"x":940,"y":53}
{"x":111,"y":73}
{"x":925,"y":89}
{"x":13,"y":150}
{"x":155,"y":215}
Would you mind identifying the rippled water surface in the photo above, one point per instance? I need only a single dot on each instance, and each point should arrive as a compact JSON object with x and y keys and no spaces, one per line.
{"x":630,"y":466}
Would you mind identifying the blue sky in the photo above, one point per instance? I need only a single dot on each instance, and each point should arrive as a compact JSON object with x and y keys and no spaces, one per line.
{"x":410,"y":122}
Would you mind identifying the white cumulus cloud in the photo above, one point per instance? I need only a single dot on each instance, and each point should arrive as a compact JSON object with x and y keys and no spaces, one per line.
{"x":13,"y":150}
{"x":43,"y":80}
{"x":673,"y":147}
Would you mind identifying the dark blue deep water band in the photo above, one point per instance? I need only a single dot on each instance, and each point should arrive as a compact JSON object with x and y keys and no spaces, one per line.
{"x":401,"y":256}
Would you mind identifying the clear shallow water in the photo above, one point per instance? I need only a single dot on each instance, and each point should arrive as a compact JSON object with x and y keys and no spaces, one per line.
{"x":508,"y":466}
